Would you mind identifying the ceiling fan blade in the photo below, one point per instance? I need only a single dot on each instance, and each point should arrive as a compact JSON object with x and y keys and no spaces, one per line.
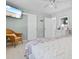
{"x":50,"y":6}
{"x":55,"y":6}
{"x":47,"y":5}
{"x":60,"y":1}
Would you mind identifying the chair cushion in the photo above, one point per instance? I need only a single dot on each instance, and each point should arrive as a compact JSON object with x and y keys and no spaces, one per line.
{"x":18,"y":37}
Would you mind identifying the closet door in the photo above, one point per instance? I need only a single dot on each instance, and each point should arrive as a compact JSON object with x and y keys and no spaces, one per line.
{"x":40,"y":27}
{"x":50,"y":27}
{"x":31,"y":27}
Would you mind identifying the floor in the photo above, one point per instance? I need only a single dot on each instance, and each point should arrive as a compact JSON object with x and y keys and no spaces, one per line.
{"x":15,"y":53}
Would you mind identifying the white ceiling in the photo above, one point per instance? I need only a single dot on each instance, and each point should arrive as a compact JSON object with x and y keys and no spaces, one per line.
{"x":37,"y":6}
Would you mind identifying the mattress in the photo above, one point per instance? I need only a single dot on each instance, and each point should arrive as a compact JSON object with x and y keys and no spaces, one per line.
{"x":42,"y":48}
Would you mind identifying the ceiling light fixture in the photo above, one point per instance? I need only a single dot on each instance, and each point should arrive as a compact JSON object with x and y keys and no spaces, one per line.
{"x":52,"y":4}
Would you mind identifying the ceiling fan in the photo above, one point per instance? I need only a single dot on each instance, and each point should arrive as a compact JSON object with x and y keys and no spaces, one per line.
{"x":52,"y":4}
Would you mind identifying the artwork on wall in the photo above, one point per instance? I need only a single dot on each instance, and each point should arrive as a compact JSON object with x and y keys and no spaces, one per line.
{"x":64,"y":23}
{"x":64,"y":20}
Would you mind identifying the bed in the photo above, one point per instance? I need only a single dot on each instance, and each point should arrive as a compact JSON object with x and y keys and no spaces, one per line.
{"x":47,"y":48}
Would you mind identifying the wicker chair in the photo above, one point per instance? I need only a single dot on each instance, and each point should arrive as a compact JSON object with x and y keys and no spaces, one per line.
{"x":13,"y":37}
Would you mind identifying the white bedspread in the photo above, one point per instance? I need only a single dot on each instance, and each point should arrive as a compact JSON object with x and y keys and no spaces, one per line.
{"x":49,"y":48}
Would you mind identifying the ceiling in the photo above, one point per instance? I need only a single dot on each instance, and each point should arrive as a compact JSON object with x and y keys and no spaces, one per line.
{"x":37,"y":6}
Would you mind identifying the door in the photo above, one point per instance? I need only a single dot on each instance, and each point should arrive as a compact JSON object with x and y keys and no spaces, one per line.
{"x":40,"y":27}
{"x":50,"y":27}
{"x":31,"y":27}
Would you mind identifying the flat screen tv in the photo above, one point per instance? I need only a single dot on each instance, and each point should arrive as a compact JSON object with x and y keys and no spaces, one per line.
{"x":13,"y":12}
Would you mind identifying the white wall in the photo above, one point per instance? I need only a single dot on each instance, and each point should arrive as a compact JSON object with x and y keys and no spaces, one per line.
{"x":60,"y":15}
{"x":32,"y":29}
{"x":28,"y":25}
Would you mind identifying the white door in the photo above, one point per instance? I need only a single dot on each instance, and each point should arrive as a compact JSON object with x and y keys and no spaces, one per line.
{"x":50,"y":27}
{"x":40,"y":26}
{"x":31,"y":27}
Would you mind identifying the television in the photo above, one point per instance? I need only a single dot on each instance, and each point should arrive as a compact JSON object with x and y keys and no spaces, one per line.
{"x":13,"y":12}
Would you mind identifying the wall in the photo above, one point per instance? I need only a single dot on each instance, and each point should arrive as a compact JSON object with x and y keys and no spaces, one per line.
{"x":61,"y":14}
{"x":18,"y":25}
{"x":28,"y":24}
{"x":51,"y":24}
{"x":67,"y":13}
